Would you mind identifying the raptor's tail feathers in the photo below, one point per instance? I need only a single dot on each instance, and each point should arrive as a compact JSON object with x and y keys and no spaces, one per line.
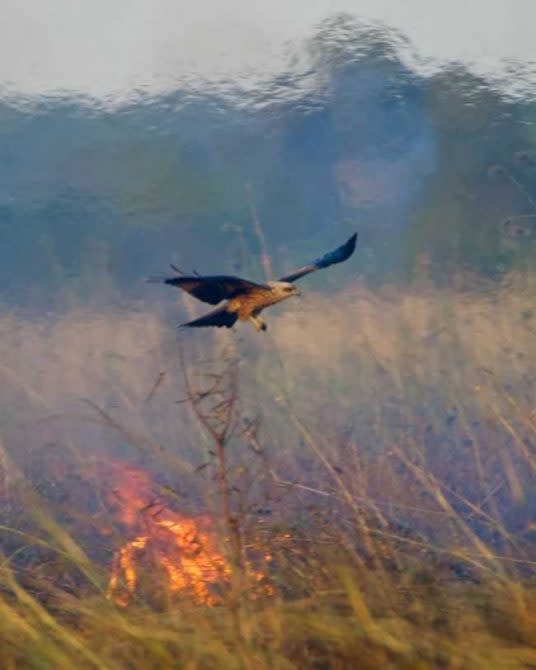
{"x":220,"y":318}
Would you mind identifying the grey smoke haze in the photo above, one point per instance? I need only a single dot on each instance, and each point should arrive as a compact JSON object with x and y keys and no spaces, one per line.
{"x":104,"y":48}
{"x":357,"y":131}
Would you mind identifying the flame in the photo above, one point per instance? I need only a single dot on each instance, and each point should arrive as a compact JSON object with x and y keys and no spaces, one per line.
{"x":186,"y":554}
{"x":183,"y":549}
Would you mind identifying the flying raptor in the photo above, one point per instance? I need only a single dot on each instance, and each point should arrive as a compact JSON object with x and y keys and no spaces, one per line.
{"x":244,"y":299}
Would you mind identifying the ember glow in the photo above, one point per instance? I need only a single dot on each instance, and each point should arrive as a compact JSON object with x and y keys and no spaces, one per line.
{"x":182,"y":550}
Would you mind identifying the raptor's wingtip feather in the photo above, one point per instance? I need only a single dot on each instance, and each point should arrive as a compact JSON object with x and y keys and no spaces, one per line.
{"x":351,"y":243}
{"x":348,"y":247}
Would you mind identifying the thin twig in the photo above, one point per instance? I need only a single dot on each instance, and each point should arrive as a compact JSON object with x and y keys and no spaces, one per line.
{"x":265,"y":258}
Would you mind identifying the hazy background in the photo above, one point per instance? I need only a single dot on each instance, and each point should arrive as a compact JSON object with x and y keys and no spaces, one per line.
{"x":135,"y":134}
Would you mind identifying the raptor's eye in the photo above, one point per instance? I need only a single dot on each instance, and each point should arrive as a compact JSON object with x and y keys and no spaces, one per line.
{"x":288,"y":289}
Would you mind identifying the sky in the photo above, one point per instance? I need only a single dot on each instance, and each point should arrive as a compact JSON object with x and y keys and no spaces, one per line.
{"x":109,"y":49}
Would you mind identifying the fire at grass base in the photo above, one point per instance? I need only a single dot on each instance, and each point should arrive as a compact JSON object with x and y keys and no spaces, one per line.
{"x":325,"y":595}
{"x":180,"y":553}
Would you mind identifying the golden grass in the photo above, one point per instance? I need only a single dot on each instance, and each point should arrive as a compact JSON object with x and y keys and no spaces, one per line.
{"x":391,"y":434}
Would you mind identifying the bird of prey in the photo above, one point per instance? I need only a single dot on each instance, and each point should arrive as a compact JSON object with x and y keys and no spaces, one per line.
{"x":244,"y":299}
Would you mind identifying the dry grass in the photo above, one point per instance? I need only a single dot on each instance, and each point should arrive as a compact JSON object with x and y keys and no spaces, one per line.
{"x":391,"y":436}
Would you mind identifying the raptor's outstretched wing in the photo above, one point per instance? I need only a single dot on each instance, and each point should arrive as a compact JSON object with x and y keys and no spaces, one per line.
{"x":211,"y":289}
{"x":339,"y":255}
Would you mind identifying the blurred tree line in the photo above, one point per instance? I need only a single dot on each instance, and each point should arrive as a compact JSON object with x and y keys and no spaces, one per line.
{"x":438,"y":167}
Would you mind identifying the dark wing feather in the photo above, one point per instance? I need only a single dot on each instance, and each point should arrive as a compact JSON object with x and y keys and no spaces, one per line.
{"x":219,"y":317}
{"x":339,"y":255}
{"x":211,"y":289}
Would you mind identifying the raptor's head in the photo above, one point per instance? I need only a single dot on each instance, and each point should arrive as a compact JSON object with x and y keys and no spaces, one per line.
{"x":283,"y":289}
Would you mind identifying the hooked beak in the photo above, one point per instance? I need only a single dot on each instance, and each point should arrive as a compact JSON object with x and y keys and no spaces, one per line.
{"x":298,"y":293}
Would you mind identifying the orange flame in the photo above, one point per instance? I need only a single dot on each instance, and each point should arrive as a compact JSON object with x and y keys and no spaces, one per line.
{"x":184,"y":549}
